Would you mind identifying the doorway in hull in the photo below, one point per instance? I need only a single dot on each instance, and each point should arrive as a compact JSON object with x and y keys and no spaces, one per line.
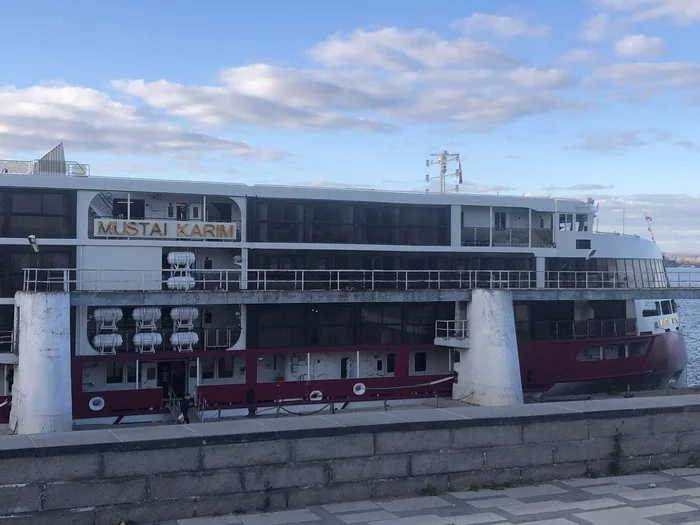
{"x":172,"y":374}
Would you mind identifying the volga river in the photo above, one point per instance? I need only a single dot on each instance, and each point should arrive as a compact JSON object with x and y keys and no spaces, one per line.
{"x":689,"y":312}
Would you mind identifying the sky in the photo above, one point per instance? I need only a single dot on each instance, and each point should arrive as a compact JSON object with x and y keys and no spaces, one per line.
{"x":574,"y":98}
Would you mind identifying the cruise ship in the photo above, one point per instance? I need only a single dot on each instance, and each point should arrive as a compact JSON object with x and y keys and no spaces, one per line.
{"x":256,"y":298}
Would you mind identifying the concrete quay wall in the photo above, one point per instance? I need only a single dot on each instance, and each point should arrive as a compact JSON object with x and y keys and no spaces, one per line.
{"x":152,"y":474}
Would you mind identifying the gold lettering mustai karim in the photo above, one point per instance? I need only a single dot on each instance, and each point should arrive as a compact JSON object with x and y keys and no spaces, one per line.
{"x":185,"y":230}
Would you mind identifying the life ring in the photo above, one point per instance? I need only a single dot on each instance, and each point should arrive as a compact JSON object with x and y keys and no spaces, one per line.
{"x":96,"y":404}
{"x":359,"y":389}
{"x":316,"y":395}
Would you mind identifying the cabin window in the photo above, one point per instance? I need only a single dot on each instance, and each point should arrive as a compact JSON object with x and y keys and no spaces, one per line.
{"x":674,"y":306}
{"x":420,"y":362}
{"x":207,"y":366}
{"x":115,"y":373}
{"x":207,"y":317}
{"x":208,"y":265}
{"x":590,"y":353}
{"x":389,"y":363}
{"x":499,"y":220}
{"x":651,"y":309}
{"x":380,"y":365}
{"x":131,"y":372}
{"x":151,"y":374}
{"x":193,"y":372}
{"x":638,"y":349}
{"x":583,"y":244}
{"x":566,"y":222}
{"x":615,"y":352}
{"x":225,"y":367}
{"x":666,"y":307}
{"x":581,"y":222}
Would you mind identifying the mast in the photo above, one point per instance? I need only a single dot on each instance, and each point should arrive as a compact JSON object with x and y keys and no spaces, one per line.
{"x":443,"y":159}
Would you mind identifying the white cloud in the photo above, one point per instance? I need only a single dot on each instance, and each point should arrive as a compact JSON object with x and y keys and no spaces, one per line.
{"x":640,"y":46}
{"x":644,"y":74}
{"x":580,"y":187}
{"x":503,"y":26}
{"x":598,"y":28}
{"x":681,"y":12}
{"x":89,"y":120}
{"x":618,"y":142}
{"x":578,"y":56}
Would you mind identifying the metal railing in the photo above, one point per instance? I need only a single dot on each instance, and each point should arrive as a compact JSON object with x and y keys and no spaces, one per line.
{"x":7,"y":341}
{"x":207,"y":339}
{"x":67,"y":279}
{"x":32,"y":167}
{"x":508,"y":237}
{"x":451,"y":329}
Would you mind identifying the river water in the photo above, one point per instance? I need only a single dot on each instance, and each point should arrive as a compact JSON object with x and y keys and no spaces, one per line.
{"x":689,"y":312}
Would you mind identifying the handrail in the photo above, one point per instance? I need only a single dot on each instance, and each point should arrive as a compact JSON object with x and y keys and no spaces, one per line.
{"x":451,"y":329}
{"x":226,"y":280}
{"x":29,"y":167}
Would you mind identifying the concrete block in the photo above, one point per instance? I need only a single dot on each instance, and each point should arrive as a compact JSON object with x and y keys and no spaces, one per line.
{"x":678,"y":422}
{"x":150,"y":462}
{"x":426,"y":463}
{"x":92,"y":494}
{"x":19,"y":498}
{"x":487,"y":436}
{"x":336,"y":493}
{"x":689,"y":442}
{"x":83,"y":517}
{"x":587,"y":449}
{"x":282,"y":477}
{"x":419,"y":441}
{"x":668,"y":461}
{"x":246,"y":454}
{"x":599,"y":468}
{"x":536,"y":474}
{"x":633,"y":465}
{"x":194,"y":484}
{"x":336,"y":447}
{"x":631,"y":426}
{"x":518,"y":456}
{"x":647,"y":445}
{"x":158,"y":511}
{"x":378,"y":467}
{"x":240,"y":503}
{"x":549,"y":431}
{"x":480,"y":478}
{"x":52,"y":468}
{"x":406,"y":487}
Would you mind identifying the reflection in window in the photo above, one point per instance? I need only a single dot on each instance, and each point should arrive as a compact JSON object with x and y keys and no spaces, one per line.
{"x":638,"y":348}
{"x":115,"y":373}
{"x":590,"y":353}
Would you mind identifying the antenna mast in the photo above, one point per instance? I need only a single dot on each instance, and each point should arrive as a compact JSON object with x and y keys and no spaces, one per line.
{"x":648,"y":219}
{"x":443,"y":159}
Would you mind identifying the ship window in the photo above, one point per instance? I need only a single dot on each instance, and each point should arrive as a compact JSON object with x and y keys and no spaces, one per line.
{"x":131,"y":372}
{"x":207,"y":366}
{"x":151,"y":374}
{"x":207,"y":316}
{"x":566,"y":222}
{"x":193,"y":372}
{"x":638,"y":349}
{"x":674,"y":306}
{"x":666,"y":307}
{"x":615,"y":352}
{"x":651,"y":309}
{"x":389,"y":363}
{"x":581,"y":222}
{"x":115,"y":373}
{"x":225,"y":367}
{"x":499,"y":220}
{"x":420,"y":361}
{"x":380,"y":365}
{"x":583,"y":244}
{"x":590,"y":353}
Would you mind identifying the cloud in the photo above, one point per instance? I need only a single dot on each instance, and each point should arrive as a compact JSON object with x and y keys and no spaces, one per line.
{"x":320,"y":183}
{"x":89,"y":120}
{"x":688,"y":144}
{"x":580,"y":187}
{"x":578,"y":56}
{"x":503,"y":26}
{"x":641,"y":80}
{"x":598,"y":28}
{"x":369,"y":80}
{"x":680,"y":12}
{"x":618,"y":142}
{"x":640,"y":46}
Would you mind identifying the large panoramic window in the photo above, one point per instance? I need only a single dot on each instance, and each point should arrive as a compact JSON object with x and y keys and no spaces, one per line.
{"x":605,"y":273}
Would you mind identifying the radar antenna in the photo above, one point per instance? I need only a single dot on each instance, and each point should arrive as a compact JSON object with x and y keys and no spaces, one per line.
{"x":648,"y":219}
{"x":443,"y":159}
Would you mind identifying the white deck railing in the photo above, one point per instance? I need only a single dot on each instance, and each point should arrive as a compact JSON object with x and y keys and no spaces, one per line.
{"x":69,"y":279}
{"x":451,"y":329}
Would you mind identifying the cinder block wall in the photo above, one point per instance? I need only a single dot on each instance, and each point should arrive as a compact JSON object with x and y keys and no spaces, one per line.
{"x":169,"y":472}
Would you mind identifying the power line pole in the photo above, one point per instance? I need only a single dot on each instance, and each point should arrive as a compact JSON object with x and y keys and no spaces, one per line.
{"x":443,"y":159}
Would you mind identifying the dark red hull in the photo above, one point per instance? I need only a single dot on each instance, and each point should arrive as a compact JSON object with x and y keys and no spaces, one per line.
{"x":551,"y":366}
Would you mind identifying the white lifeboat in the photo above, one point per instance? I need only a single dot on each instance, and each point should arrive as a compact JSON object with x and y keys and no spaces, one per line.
{"x":107,"y":344}
{"x":184,"y":341}
{"x":146,"y":342}
{"x":181,"y":282}
{"x":181,"y":259}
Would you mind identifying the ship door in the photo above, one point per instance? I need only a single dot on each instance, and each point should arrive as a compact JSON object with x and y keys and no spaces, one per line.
{"x":149,"y":375}
{"x":179,"y":369}
{"x":192,"y":377}
{"x":344,"y":362}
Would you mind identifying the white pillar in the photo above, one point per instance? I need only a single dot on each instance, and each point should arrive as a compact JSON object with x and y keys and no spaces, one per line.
{"x":455,"y":225}
{"x":42,"y":400}
{"x":540,"y":272}
{"x":489,"y":371}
